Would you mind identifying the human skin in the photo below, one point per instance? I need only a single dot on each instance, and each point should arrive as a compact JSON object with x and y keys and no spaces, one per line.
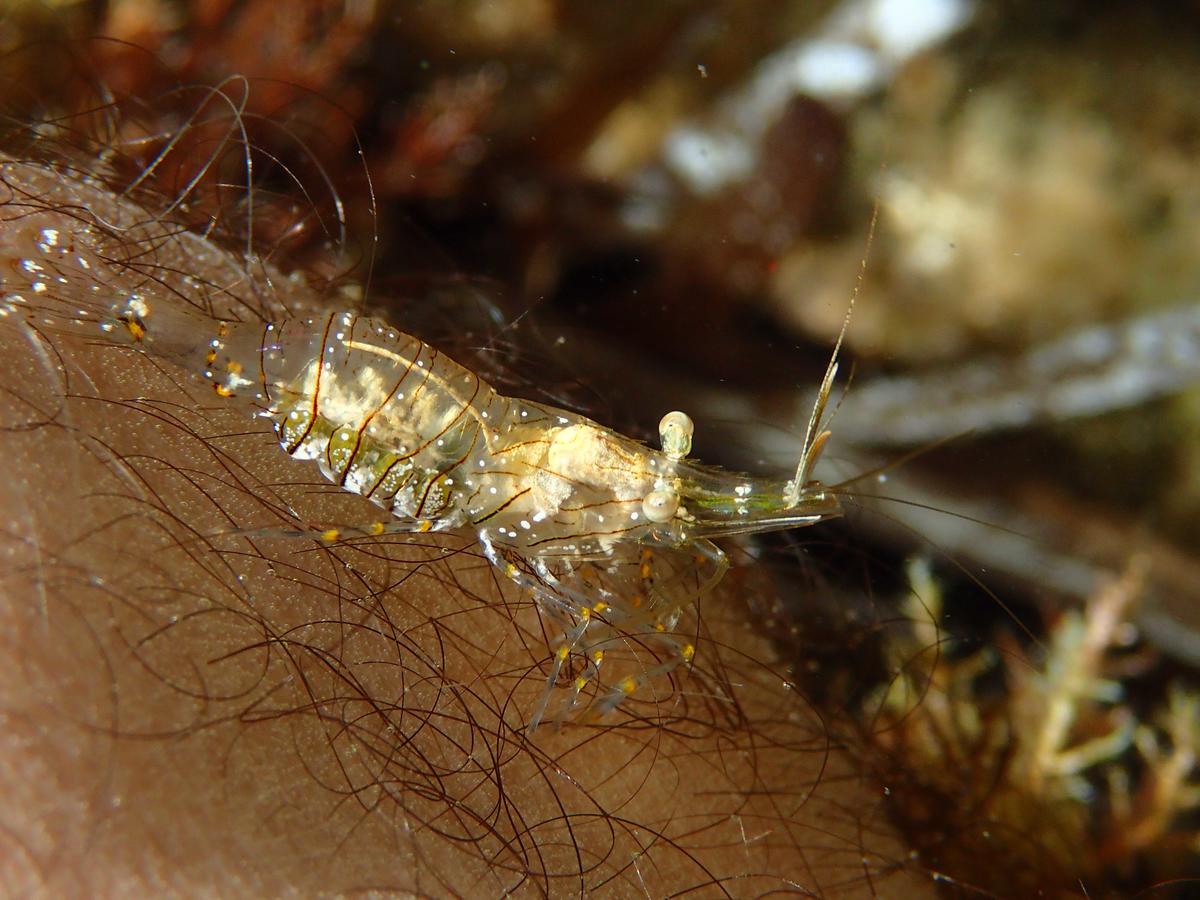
{"x":188,"y":709}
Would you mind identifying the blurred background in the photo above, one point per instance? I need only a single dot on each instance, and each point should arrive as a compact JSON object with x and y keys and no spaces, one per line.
{"x":627,"y":208}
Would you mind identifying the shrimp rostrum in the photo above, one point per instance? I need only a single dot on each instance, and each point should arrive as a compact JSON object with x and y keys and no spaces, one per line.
{"x":611,"y":536}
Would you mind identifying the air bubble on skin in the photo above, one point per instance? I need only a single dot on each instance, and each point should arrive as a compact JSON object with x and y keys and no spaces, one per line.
{"x":137,"y":305}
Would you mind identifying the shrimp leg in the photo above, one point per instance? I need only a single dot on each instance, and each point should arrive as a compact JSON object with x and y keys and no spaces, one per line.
{"x":666,"y":609}
{"x":555,"y":598}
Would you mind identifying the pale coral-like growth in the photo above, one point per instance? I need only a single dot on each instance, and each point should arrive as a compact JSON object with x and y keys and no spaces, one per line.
{"x":1068,"y":778}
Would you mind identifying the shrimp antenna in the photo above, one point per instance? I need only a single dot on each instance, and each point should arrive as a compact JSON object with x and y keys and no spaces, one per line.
{"x":817,"y":433}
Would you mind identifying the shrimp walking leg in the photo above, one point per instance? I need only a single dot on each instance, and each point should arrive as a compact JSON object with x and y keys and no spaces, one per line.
{"x":555,"y":599}
{"x":668,"y":600}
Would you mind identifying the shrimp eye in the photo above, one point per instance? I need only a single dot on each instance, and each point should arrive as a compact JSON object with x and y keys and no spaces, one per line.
{"x":660,"y":506}
{"x":675,"y":433}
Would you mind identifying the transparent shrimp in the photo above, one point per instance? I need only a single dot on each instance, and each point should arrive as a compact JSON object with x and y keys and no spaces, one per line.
{"x":613,"y":538}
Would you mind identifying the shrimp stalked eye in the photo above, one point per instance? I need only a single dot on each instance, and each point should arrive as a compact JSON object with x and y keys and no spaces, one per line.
{"x":660,"y":506}
{"x":675,"y":433}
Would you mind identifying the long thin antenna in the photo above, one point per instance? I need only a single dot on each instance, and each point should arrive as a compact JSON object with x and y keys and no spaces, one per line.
{"x":817,"y":432}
